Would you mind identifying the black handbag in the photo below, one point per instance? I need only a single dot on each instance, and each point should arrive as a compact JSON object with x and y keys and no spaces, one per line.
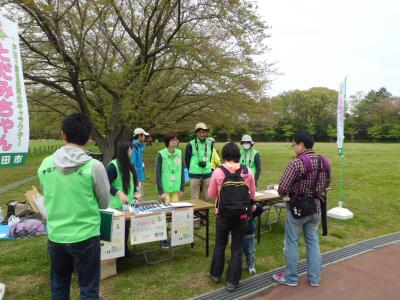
{"x":302,"y":206}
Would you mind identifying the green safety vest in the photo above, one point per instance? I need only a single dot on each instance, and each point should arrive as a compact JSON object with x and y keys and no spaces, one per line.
{"x":115,"y":202}
{"x":247,"y":158}
{"x":171,"y":170}
{"x":199,"y":153}
{"x":71,"y":204}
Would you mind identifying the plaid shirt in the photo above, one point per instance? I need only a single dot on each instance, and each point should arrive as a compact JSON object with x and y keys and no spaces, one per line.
{"x":295,"y":169}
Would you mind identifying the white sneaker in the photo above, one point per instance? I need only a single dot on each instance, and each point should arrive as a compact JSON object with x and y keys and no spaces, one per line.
{"x":252,"y":271}
{"x":2,"y":290}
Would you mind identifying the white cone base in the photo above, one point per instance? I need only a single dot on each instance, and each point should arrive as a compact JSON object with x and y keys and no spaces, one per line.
{"x":340,"y":213}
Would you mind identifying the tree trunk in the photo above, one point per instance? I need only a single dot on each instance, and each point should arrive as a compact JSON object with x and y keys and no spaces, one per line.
{"x":109,"y":141}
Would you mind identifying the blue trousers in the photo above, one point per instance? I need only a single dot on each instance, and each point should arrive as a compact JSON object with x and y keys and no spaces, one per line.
{"x":84,"y":256}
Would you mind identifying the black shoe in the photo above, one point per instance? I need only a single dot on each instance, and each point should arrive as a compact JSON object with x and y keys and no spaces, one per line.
{"x":231,"y":287}
{"x":215,"y":279}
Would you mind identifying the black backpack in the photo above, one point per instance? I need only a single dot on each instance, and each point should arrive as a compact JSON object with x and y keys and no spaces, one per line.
{"x":234,"y":197}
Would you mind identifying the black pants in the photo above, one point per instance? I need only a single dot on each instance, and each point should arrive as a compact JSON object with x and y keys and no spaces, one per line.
{"x":238,"y":230}
{"x":85,"y":257}
{"x":127,"y":228}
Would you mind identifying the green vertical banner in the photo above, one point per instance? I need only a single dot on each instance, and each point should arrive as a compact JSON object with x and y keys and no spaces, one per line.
{"x":14,"y":118}
{"x":341,"y":109}
{"x":340,"y":212}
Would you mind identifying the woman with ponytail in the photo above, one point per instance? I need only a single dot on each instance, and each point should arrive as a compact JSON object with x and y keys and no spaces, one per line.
{"x":123,"y":182}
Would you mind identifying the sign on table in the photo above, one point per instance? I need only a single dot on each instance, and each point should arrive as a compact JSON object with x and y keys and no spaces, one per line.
{"x":182,"y":227}
{"x":14,"y":120}
{"x":148,"y":229}
{"x":115,"y":248}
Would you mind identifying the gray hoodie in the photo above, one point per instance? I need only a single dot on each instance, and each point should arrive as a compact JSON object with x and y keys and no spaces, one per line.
{"x":68,"y":158}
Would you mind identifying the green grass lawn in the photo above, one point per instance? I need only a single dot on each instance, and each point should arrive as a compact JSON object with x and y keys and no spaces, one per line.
{"x":370,"y":193}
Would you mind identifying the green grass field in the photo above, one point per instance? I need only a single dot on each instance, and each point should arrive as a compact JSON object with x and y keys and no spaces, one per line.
{"x":370,"y":193}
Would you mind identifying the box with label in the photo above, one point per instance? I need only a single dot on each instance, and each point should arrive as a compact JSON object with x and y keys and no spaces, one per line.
{"x":108,"y":268}
{"x":115,"y":248}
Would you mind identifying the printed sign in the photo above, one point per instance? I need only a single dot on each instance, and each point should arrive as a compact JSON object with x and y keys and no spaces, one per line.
{"x":148,"y":229}
{"x":182,"y":227}
{"x":14,"y":120}
{"x":115,"y":248}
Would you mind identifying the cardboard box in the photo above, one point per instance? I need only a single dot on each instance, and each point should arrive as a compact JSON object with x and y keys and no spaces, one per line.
{"x":30,"y":197}
{"x":108,"y":268}
{"x":36,"y":202}
{"x":115,"y":248}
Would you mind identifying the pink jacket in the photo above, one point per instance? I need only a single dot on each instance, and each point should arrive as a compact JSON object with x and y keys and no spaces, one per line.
{"x":218,"y":176}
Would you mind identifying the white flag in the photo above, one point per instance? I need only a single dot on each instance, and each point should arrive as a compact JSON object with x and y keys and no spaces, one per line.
{"x":14,"y":119}
{"x":341,"y":115}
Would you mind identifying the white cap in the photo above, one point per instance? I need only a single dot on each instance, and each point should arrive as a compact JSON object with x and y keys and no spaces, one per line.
{"x":139,"y":131}
{"x":200,"y":126}
{"x":247,"y":138}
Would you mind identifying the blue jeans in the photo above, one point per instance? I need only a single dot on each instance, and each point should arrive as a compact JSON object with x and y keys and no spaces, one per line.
{"x":293,"y":229}
{"x":250,"y":250}
{"x":84,"y":256}
{"x":250,"y":244}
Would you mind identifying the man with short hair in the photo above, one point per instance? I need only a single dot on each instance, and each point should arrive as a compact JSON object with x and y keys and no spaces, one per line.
{"x":198,"y":162}
{"x":74,"y":186}
{"x":139,"y":138}
{"x":298,"y":182}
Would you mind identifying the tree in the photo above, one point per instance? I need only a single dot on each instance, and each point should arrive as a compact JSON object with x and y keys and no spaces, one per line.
{"x":147,"y":63}
{"x":331,"y":132}
{"x":394,"y":132}
{"x":287,"y":131}
{"x":270,"y":134}
{"x":350,"y":131}
{"x":375,"y":132}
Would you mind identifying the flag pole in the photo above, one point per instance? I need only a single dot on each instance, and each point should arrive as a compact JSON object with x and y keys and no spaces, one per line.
{"x":340,"y":212}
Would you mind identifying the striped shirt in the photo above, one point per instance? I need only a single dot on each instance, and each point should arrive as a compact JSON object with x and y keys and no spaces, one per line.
{"x":293,"y":172}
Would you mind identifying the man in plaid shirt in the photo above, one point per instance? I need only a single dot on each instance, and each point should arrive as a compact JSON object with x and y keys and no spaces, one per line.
{"x":302,"y":145}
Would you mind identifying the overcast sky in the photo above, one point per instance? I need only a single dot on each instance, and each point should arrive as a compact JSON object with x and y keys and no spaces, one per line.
{"x":318,"y":42}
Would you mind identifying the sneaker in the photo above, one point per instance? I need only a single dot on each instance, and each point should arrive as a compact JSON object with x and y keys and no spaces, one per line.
{"x":215,"y":279}
{"x":280,"y":278}
{"x":2,"y":290}
{"x":231,"y":287}
{"x":314,"y":284}
{"x":165,"y":244}
{"x":252,"y":271}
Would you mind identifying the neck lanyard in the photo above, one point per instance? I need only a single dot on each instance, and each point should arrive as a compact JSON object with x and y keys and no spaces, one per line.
{"x":249,"y":158}
{"x":197,"y":148}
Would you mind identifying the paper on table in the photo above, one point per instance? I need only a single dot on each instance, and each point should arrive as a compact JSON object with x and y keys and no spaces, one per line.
{"x":275,"y":192}
{"x":181,"y":204}
{"x":114,"y":211}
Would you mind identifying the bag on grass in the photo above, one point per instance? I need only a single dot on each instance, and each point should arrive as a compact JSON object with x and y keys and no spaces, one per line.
{"x":29,"y":227}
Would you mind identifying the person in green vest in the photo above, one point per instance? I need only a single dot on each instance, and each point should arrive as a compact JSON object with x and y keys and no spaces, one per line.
{"x":123,"y":182}
{"x":198,"y":161}
{"x":122,"y":177}
{"x":170,"y":173}
{"x":215,"y":160}
{"x":74,"y":186}
{"x":249,"y":156}
{"x":169,"y":170}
